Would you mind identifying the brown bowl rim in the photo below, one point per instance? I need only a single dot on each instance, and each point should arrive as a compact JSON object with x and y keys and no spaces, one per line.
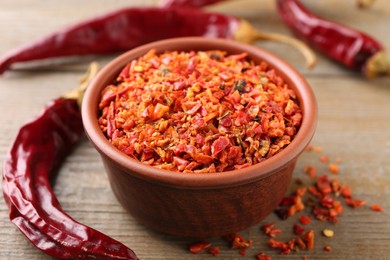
{"x":222,"y":179}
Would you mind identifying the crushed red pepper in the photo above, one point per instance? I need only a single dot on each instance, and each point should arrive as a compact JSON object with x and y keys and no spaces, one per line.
{"x":202,"y":112}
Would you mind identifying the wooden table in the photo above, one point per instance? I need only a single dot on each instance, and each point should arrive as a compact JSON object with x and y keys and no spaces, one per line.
{"x":354,"y":125}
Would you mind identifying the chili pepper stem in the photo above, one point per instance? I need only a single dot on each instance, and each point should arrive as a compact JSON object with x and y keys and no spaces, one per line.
{"x":365,"y":3}
{"x":247,"y":34}
{"x":78,"y":92}
{"x":377,"y":65}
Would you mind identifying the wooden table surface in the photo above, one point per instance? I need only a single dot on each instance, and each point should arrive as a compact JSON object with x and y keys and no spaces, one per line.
{"x":354,"y":125}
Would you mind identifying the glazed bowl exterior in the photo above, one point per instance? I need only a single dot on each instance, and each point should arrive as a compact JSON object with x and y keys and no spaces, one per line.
{"x":199,"y":205}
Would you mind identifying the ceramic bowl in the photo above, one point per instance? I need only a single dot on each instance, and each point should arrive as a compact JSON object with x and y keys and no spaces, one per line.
{"x":199,"y":205}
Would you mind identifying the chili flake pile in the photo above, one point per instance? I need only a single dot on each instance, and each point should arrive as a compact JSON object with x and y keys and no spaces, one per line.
{"x":201,"y":112}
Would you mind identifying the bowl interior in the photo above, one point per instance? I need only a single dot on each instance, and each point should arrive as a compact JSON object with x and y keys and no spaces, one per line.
{"x":304,"y":92}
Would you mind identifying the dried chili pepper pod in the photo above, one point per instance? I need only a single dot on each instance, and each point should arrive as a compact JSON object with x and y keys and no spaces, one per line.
{"x":39,"y":148}
{"x":351,"y":48}
{"x":128,"y":28}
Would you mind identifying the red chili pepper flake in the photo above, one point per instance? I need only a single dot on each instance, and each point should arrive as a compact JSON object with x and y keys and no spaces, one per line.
{"x":263,"y":256}
{"x":324,"y":159}
{"x":198,"y":247}
{"x":190,"y":112}
{"x":279,"y":245}
{"x":289,"y":206}
{"x":310,"y":170}
{"x":304,"y":220}
{"x":238,"y":242}
{"x":376,"y":207}
{"x":213,"y":250}
{"x":298,"y":230}
{"x":242,"y":252}
{"x":354,"y":203}
{"x":327,"y":248}
{"x":333,"y":168}
{"x":323,"y":184}
{"x":345,"y":191}
{"x":308,"y":238}
{"x":269,"y":229}
{"x":300,"y":191}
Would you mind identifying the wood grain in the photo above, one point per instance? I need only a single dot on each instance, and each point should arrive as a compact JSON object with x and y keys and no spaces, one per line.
{"x":354,"y":125}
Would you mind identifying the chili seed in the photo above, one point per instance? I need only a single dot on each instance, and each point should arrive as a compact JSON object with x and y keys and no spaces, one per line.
{"x":328,"y":232}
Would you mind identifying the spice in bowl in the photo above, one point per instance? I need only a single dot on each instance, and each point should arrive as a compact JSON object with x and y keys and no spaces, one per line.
{"x":188,"y":204}
{"x":199,"y":111}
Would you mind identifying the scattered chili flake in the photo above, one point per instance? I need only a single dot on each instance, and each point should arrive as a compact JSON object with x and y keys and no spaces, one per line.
{"x":239,"y":242}
{"x":328,"y":232}
{"x":191,"y":112}
{"x":304,"y":220}
{"x":328,"y":248}
{"x":198,"y":247}
{"x":214,"y":250}
{"x":324,"y":159}
{"x":298,"y":230}
{"x":345,"y":191}
{"x":333,"y":168}
{"x":300,"y":191}
{"x":354,"y":203}
{"x":242,"y":252}
{"x":317,"y":149}
{"x":308,"y":238}
{"x":376,"y":207}
{"x":310,"y":170}
{"x":323,"y":184}
{"x":269,"y":229}
{"x":263,"y":256}
{"x":279,"y":245}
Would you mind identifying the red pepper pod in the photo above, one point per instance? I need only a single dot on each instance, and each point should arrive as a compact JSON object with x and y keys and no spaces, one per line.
{"x":38,"y":150}
{"x":125,"y":29}
{"x":349,"y":47}
{"x":122,"y":30}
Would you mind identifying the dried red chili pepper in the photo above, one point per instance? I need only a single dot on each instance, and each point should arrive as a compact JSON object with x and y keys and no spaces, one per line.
{"x":127,"y":28}
{"x":353,"y":49}
{"x":37,"y":151}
